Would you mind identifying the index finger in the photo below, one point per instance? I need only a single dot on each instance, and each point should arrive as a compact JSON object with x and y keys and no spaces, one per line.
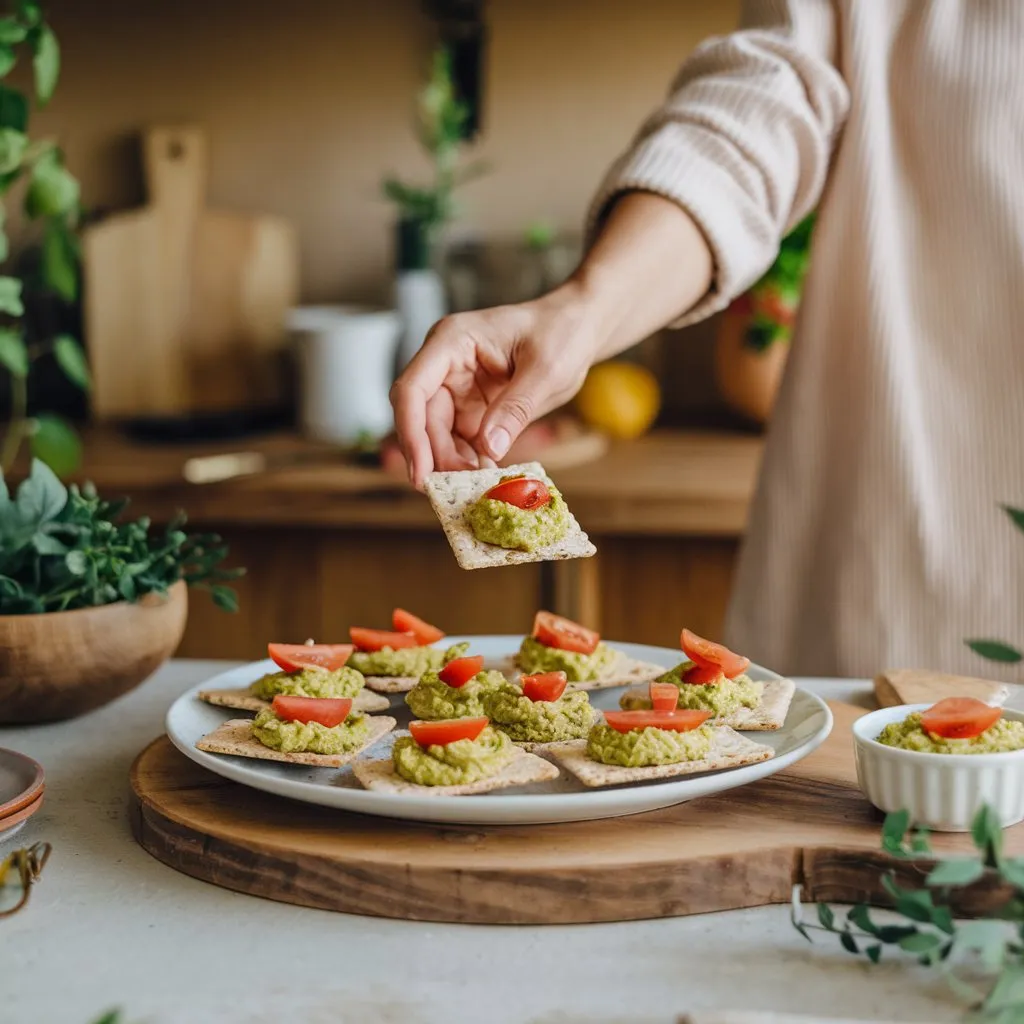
{"x":419,"y":382}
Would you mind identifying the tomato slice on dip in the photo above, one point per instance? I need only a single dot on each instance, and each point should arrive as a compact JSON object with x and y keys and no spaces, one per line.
{"x":703,"y":675}
{"x":545,"y":685}
{"x":664,"y":696}
{"x":459,"y":672}
{"x":563,"y":634}
{"x":295,"y":657}
{"x":446,"y":731}
{"x":405,"y":622}
{"x":959,"y":718}
{"x":378,"y":639}
{"x":673,"y":721}
{"x":525,"y":492}
{"x":712,"y":655}
{"x":329,"y":711}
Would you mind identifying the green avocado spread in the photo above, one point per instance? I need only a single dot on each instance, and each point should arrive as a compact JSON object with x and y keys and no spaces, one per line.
{"x":498,"y":522}
{"x":721,"y":698}
{"x":309,"y":682}
{"x":641,"y":748}
{"x":454,"y":764}
{"x":405,"y":662}
{"x":310,"y":737}
{"x":535,"y":657}
{"x":542,"y":721}
{"x":1000,"y":738}
{"x":432,"y":699}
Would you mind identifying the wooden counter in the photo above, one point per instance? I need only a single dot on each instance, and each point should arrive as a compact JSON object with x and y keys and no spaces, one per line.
{"x":332,"y":544}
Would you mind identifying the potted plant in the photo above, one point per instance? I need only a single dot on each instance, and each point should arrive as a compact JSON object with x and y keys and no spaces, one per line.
{"x":753,"y":338}
{"x":90,"y":603}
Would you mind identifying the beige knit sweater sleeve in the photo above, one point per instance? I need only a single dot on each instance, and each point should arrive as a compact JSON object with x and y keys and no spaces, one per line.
{"x":744,"y":139}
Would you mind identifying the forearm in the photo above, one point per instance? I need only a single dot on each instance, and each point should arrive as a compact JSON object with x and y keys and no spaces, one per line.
{"x":648,"y":265}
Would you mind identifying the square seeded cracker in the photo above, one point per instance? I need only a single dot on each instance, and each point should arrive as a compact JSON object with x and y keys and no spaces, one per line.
{"x":769,"y":715}
{"x":236,"y":738}
{"x":624,"y":671}
{"x":522,"y":770}
{"x":452,"y":493}
{"x":240,"y":699}
{"x":728,"y":750}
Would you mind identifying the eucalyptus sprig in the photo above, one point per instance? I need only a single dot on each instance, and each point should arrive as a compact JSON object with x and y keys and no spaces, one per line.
{"x":65,"y":548}
{"x":996,"y":650}
{"x":928,"y":931}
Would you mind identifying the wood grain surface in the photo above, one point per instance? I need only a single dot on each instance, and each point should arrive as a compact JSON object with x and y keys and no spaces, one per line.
{"x":744,"y":848}
{"x":922,"y":686}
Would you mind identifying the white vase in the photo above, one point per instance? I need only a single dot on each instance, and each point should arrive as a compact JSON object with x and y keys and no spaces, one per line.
{"x":420,"y":300}
{"x":346,"y":357}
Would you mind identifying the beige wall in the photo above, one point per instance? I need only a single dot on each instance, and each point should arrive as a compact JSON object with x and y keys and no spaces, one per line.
{"x":308,"y":102}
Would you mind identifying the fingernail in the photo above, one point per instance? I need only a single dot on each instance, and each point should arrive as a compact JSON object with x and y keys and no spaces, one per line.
{"x":499,"y":441}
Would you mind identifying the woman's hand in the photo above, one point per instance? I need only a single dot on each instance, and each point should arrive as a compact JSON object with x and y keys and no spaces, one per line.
{"x":482,"y":377}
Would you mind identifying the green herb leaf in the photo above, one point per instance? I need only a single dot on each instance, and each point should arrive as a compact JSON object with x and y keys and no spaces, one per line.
{"x":7,"y":59}
{"x":848,"y":942}
{"x":59,"y":260}
{"x":825,"y":915}
{"x":77,"y":563}
{"x":995,"y":650}
{"x":860,"y":916}
{"x":1013,"y":871}
{"x":45,"y":63}
{"x":224,"y":598}
{"x":56,"y":444}
{"x":72,"y":360}
{"x":10,"y":296}
{"x":13,"y":353}
{"x":13,"y":109}
{"x":894,"y":828}
{"x":920,"y":842}
{"x":959,"y":871}
{"x":52,"y":191}
{"x":12,"y":31}
{"x":987,"y":833}
{"x":45,"y":544}
{"x":29,"y":12}
{"x":1016,"y":514}
{"x":874,"y":953}
{"x":986,"y":938}
{"x":895,"y":933}
{"x":42,"y":496}
{"x":12,"y":149}
{"x":920,"y":942}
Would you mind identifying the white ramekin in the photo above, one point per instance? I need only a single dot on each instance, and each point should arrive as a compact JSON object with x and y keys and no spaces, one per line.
{"x":941,"y":791}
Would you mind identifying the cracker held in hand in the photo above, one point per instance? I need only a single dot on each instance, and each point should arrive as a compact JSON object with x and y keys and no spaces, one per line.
{"x":728,"y":750}
{"x":451,"y":494}
{"x":236,"y":738}
{"x":240,"y":699}
{"x":769,"y":715}
{"x":523,"y":770}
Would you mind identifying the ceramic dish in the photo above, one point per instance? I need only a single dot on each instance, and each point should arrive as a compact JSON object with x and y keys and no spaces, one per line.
{"x":13,"y":822}
{"x":941,"y":791}
{"x":21,"y":781}
{"x":807,"y":725}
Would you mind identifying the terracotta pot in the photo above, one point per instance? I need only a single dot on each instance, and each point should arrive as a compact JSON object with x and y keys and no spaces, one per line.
{"x":62,"y":664}
{"x":747,"y":378}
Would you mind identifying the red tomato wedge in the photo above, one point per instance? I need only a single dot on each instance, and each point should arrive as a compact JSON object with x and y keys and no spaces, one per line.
{"x":544,"y":686}
{"x":703,"y":675}
{"x":664,"y":696}
{"x":459,"y":672}
{"x":712,"y":655}
{"x":673,"y":721}
{"x":405,"y":622}
{"x":448,"y":730}
{"x":524,"y":492}
{"x":295,"y":657}
{"x":327,"y":711}
{"x":378,"y":639}
{"x":959,"y":718}
{"x":553,"y":631}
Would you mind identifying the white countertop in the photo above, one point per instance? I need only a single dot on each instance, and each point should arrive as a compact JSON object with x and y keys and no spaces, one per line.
{"x":110,"y":926}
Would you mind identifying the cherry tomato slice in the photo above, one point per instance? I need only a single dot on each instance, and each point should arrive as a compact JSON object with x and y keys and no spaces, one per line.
{"x":327,"y":711}
{"x":295,"y":657}
{"x":563,"y":634}
{"x":674,"y":721}
{"x":959,"y":718}
{"x":544,"y":685}
{"x":703,"y":675}
{"x":459,"y":672}
{"x":405,"y":622}
{"x":378,"y":639}
{"x":664,"y":696}
{"x":710,"y":654}
{"x":446,"y":731}
{"x":524,"y":492}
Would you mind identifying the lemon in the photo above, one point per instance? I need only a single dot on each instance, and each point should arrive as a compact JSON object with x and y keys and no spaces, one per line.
{"x":620,"y":398}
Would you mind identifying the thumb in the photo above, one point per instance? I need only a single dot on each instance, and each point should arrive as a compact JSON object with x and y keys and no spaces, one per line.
{"x":512,"y":410}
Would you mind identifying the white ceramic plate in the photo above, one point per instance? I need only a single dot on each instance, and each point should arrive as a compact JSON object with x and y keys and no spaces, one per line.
{"x":808,"y":724}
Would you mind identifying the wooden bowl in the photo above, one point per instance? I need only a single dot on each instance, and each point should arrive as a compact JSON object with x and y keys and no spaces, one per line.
{"x":63,"y":664}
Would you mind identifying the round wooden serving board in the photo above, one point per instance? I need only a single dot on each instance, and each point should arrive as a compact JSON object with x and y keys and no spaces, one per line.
{"x":742,"y":848}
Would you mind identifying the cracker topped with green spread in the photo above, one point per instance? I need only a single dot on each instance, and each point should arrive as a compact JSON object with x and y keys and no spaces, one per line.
{"x":457,"y":691}
{"x":506,"y":516}
{"x":538,"y":710}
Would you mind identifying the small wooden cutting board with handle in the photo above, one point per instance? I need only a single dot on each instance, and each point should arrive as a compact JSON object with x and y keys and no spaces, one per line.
{"x":184,"y":306}
{"x":920,"y":686}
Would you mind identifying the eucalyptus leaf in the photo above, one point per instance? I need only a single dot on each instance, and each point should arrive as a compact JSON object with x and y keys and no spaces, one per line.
{"x":12,"y":149}
{"x":825,"y":915}
{"x":1013,"y":871}
{"x":10,"y":296}
{"x":958,"y":871}
{"x":52,"y":191}
{"x":45,"y":63}
{"x":54,"y":442}
{"x":29,"y":12}
{"x":995,"y":650}
{"x":848,"y":942}
{"x":1015,"y":514}
{"x":13,"y":109}
{"x":987,"y":834}
{"x":12,"y":31}
{"x":894,"y":828}
{"x":13,"y":353}
{"x":71,"y":359}
{"x":874,"y":953}
{"x":860,"y":916}
{"x":920,"y":942}
{"x":7,"y":59}
{"x":59,"y":261}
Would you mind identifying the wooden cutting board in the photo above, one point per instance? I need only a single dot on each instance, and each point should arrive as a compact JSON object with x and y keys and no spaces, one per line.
{"x":185,"y":306}
{"x":922,"y":686}
{"x":742,"y":848}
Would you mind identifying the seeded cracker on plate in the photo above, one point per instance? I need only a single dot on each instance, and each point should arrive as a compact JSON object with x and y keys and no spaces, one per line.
{"x":535,"y":530}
